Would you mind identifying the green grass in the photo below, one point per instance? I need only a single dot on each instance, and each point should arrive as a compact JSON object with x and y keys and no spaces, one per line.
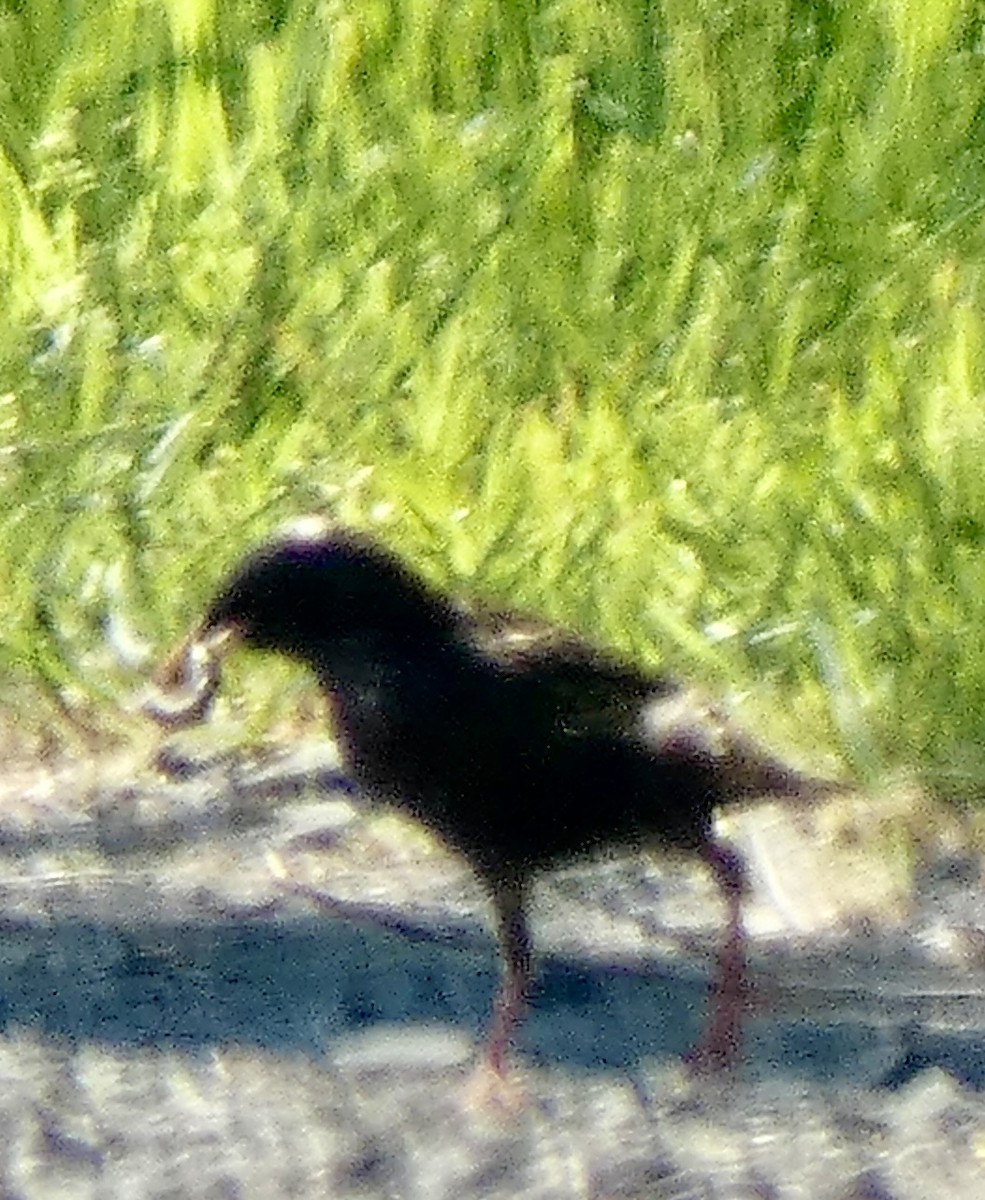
{"x":663,"y":320}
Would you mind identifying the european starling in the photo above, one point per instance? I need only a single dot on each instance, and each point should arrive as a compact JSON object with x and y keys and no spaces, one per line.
{"x":520,"y":745}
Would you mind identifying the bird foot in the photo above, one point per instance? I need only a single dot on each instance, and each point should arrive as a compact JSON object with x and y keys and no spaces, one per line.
{"x":713,"y":1056}
{"x":494,"y":1094}
{"x":719,"y":1050}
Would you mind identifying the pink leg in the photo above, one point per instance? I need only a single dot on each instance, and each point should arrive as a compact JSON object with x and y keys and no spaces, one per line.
{"x":512,"y":998}
{"x":721,"y":1042}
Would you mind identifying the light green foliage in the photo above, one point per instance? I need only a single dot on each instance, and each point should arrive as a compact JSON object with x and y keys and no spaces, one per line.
{"x":664,"y":320}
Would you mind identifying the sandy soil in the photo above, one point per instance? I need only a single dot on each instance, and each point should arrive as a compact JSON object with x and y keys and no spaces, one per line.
{"x":226,"y":978}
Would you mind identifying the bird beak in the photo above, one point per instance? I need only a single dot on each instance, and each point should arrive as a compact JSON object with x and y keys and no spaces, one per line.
{"x":185,"y":685}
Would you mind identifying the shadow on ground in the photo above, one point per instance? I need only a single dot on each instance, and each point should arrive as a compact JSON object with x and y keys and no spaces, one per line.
{"x":310,"y":985}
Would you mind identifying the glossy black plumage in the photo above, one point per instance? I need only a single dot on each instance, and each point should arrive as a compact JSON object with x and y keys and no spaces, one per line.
{"x":518,"y":744}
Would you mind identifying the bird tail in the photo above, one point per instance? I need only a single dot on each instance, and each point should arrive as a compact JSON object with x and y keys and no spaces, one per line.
{"x":686,"y":724}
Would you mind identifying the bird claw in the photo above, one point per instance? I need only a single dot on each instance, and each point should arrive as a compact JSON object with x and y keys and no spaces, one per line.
{"x":713,"y":1056}
{"x":494,"y":1093}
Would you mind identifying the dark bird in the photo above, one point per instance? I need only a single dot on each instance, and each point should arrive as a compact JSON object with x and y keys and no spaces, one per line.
{"x":520,"y":745}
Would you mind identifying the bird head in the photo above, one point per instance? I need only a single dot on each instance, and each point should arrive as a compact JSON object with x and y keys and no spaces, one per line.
{"x":315,"y":595}
{"x":305,"y":591}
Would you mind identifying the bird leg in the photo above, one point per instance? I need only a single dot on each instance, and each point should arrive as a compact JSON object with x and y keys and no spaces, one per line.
{"x":721,"y":1041}
{"x":509,"y":899}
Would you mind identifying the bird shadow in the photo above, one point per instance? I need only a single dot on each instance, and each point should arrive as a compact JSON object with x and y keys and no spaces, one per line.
{"x":310,"y":985}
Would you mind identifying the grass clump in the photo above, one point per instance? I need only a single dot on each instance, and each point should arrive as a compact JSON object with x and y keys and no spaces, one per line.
{"x":664,"y":320}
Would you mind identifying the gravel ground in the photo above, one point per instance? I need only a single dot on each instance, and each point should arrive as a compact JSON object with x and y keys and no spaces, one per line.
{"x":227,"y":979}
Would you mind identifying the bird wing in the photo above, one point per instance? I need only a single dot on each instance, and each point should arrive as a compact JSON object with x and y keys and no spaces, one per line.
{"x":582,"y":692}
{"x":578,"y":689}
